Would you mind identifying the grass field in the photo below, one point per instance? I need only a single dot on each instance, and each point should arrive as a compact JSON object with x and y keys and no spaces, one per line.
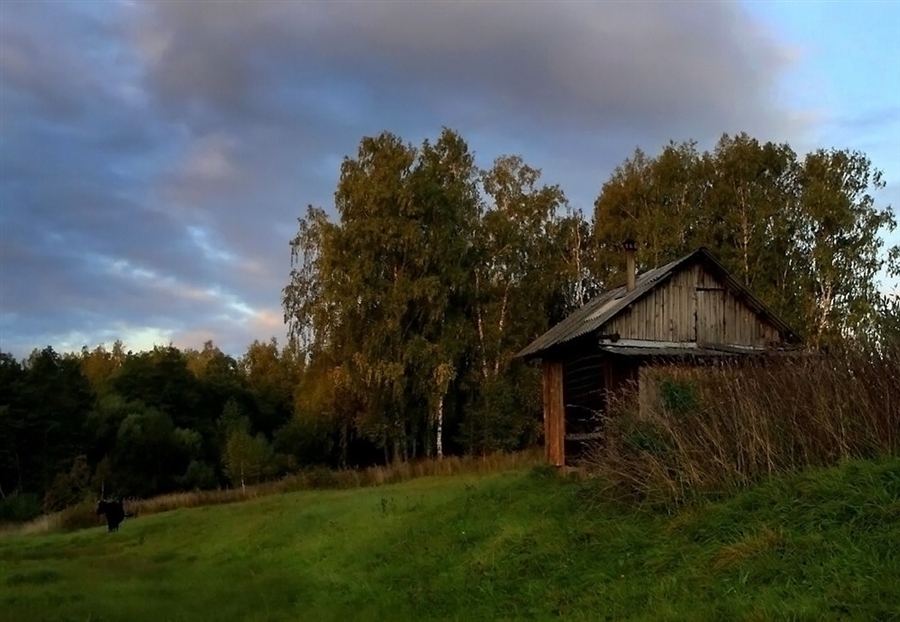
{"x":514,"y":545}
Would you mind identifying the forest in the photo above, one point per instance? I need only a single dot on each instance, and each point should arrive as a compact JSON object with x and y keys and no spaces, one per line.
{"x":407,"y":301}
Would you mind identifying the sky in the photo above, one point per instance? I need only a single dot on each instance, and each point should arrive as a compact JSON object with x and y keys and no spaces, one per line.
{"x":155,"y":157}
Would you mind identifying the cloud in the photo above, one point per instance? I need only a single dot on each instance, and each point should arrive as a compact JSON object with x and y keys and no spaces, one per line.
{"x":156,"y":155}
{"x":692,"y":67}
{"x":207,"y":170}
{"x":574,"y":87}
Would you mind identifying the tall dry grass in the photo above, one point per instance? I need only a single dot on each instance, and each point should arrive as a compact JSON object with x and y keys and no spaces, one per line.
{"x":685,"y":431}
{"x":81,"y":516}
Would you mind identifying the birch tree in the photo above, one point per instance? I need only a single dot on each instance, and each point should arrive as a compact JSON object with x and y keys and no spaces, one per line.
{"x":536,"y":266}
{"x":803,"y":233}
{"x":535,"y":258}
{"x":839,"y":238}
{"x":385,"y":289}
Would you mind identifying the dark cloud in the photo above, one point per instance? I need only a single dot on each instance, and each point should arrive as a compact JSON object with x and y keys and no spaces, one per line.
{"x":596,"y":66}
{"x":576,"y":83}
{"x":156,"y":155}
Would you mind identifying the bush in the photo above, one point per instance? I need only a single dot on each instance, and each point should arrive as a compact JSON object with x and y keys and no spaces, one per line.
{"x":69,"y":488}
{"x":308,"y":439}
{"x":505,"y":416}
{"x":247,"y":459}
{"x":322,"y":477}
{"x":19,"y":508}
{"x":80,"y":516}
{"x":198,"y":476}
{"x":679,"y":397}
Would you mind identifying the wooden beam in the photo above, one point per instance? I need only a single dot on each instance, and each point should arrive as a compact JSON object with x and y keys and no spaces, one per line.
{"x":554,"y":413}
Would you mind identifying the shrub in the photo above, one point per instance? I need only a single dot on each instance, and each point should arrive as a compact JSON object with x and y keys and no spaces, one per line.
{"x":19,"y":507}
{"x":678,"y":396}
{"x":69,"y":488}
{"x":198,"y":476}
{"x":247,"y":459}
{"x":505,"y":416}
{"x":321,"y":477}
{"x":80,"y":516}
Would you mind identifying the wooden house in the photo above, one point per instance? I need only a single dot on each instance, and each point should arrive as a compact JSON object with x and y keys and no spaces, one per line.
{"x":691,"y":310}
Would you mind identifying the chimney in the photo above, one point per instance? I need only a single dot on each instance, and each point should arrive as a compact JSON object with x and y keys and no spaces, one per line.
{"x":630,"y":249}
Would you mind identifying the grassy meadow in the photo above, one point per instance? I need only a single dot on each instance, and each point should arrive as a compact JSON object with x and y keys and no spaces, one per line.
{"x":522,"y":544}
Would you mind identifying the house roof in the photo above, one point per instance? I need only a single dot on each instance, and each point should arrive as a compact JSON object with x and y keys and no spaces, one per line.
{"x":598,"y":311}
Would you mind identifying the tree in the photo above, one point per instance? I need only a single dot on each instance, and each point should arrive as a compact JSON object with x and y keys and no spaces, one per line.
{"x":444,"y":184}
{"x":271,"y":375}
{"x":55,"y":399}
{"x":307,"y":439}
{"x":881,"y":332}
{"x":385,"y":289}
{"x":535,"y":264}
{"x":839,"y":239}
{"x":70,"y":488}
{"x":656,"y":201}
{"x":104,"y":421}
{"x":247,"y":459}
{"x":148,"y":455}
{"x":517,"y":269}
{"x":420,"y":294}
{"x":12,"y":419}
{"x":218,"y":378}
{"x":323,"y":401}
{"x":161,"y":379}
{"x":803,"y":234}
{"x":535,"y":261}
{"x":100,"y":365}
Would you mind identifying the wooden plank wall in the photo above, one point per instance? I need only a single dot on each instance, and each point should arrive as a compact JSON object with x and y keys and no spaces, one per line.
{"x":694,"y":306}
{"x":664,"y":314}
{"x":554,"y":413}
{"x":722,"y":317}
{"x":711,"y":315}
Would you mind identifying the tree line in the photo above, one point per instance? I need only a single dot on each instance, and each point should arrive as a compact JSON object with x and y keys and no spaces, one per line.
{"x":407,"y":303}
{"x":106,"y":421}
{"x":414,"y":299}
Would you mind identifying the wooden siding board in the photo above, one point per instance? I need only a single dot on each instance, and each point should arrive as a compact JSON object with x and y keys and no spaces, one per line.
{"x":694,"y":306}
{"x":665,"y":314}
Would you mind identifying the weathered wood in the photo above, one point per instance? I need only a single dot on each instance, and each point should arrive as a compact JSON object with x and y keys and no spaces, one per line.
{"x":554,"y":413}
{"x":710,"y":315}
{"x":697,"y":310}
{"x":694,"y":305}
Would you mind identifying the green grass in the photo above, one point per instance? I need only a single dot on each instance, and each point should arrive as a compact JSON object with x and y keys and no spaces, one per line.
{"x":514,"y":545}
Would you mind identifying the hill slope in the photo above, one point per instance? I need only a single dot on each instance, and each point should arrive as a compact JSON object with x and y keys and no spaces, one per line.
{"x":517,"y":545}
